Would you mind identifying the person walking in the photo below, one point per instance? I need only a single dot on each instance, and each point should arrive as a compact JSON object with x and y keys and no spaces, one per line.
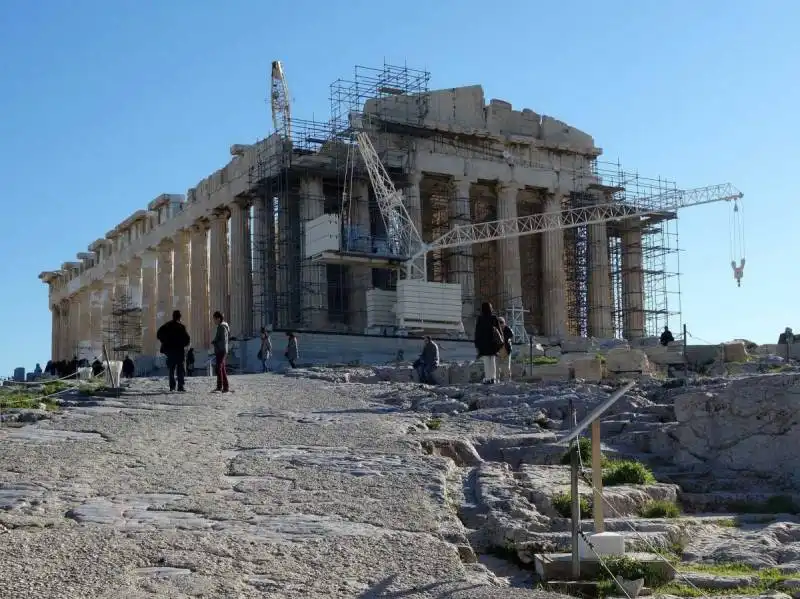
{"x":291,"y":349}
{"x":174,"y":341}
{"x":504,"y":355}
{"x":221,"y":344}
{"x":265,"y":351}
{"x":488,"y":341}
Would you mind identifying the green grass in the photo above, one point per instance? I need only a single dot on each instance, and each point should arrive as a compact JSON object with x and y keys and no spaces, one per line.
{"x":657,"y":508}
{"x":626,"y":472}
{"x":562,"y":503}
{"x":768,"y":579}
{"x":434,"y":424}
{"x":25,"y":399}
{"x":541,"y":361}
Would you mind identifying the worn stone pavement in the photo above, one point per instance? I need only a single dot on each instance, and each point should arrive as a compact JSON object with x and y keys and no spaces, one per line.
{"x":286,"y":488}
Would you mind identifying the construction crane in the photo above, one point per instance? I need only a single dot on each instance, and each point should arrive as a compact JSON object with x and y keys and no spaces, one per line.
{"x":406,"y":241}
{"x":410,"y":243}
{"x":279,"y":100}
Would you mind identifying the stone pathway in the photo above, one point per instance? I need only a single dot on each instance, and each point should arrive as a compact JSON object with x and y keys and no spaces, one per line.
{"x":286,"y":488}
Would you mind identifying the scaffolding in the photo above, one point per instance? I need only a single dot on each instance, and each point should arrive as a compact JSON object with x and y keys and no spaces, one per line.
{"x":122,"y":335}
{"x":316,"y":171}
{"x":660,"y":248}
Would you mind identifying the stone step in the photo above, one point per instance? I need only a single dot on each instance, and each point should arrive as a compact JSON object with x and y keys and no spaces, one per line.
{"x":735,"y":502}
{"x":643,"y":416}
{"x":619,"y":427}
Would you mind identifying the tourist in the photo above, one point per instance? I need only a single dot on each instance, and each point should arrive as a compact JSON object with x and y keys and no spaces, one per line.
{"x":174,"y":341}
{"x":97,"y":367}
{"x":504,"y":355}
{"x":221,"y":343}
{"x":291,"y":352}
{"x":37,"y":370}
{"x":128,"y":368}
{"x":666,"y":337}
{"x":427,"y":362}
{"x":488,"y":341}
{"x":265,"y":351}
{"x":190,"y":362}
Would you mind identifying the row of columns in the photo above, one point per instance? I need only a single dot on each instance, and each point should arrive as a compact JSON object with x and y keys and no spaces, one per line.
{"x":553,"y":275}
{"x":194,"y":272}
{"x":198,"y":272}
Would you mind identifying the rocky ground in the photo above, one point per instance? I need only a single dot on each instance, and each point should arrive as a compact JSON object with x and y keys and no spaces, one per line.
{"x":336,"y":483}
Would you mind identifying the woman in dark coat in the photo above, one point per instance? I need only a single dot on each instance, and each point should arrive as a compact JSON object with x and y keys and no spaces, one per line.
{"x":488,"y":341}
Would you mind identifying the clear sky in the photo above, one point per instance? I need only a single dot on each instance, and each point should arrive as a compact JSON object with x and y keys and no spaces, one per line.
{"x":105,"y":105}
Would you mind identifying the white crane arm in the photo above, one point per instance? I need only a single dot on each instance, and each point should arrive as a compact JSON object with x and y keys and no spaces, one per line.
{"x":390,"y":201}
{"x":279,"y":100}
{"x":461,"y":235}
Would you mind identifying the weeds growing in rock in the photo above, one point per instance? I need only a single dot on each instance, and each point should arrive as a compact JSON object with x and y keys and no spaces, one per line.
{"x":629,"y":568}
{"x":659,"y":508}
{"x":542,"y":360}
{"x":434,"y":424}
{"x":562,"y":503}
{"x":585,"y":451}
{"x":626,"y":472}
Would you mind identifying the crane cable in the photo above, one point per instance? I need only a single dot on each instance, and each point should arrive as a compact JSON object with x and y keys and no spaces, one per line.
{"x":737,"y":241}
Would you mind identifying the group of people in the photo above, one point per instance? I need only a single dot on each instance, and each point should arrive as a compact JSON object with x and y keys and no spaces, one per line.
{"x":175,"y":340}
{"x":494,"y":341}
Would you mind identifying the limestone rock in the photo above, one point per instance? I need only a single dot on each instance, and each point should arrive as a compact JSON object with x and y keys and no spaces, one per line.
{"x":746,"y":426}
{"x":627,"y":361}
{"x":734,"y":352}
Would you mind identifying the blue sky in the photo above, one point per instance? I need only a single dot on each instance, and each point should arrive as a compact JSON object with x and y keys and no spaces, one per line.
{"x":105,"y":105}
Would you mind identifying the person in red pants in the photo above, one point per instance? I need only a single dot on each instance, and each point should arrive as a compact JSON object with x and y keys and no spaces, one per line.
{"x":220,"y":343}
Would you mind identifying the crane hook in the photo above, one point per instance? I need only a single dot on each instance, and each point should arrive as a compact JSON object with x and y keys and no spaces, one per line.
{"x":738,"y":271}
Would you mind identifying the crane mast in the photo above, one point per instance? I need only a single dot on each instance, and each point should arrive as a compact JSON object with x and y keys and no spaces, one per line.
{"x":279,"y":101}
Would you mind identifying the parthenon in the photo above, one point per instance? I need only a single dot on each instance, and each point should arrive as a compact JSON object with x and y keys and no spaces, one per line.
{"x":238,"y":240}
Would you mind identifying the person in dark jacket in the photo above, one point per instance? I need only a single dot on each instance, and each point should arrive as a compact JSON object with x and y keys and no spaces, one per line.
{"x":504,"y":355}
{"x":488,"y":341}
{"x":427,"y":362}
{"x":128,"y":368}
{"x":291,"y":353}
{"x":221,"y":344}
{"x":174,"y":341}
{"x":190,"y":362}
{"x":667,"y":337}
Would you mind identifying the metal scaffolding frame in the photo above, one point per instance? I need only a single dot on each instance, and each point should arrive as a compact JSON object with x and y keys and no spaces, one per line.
{"x":300,"y":294}
{"x":122,"y":334}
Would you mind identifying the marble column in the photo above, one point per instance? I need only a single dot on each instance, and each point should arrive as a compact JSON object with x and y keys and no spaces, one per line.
{"x":461,"y":258}
{"x":412,"y":198}
{"x":149,"y":289}
{"x":554,"y":305}
{"x":360,"y":276}
{"x":200,"y":319}
{"x":511,"y":271}
{"x":164,"y":292}
{"x":218,"y":272}
{"x":64,"y":344}
{"x":633,"y":324}
{"x":85,"y":327}
{"x":315,"y":276}
{"x":181,"y":274}
{"x":54,"y":333}
{"x":96,"y":317}
{"x":600,"y":322}
{"x":241,"y":319}
{"x":134,"y":282}
{"x":109,"y":290}
{"x":260,"y":244}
